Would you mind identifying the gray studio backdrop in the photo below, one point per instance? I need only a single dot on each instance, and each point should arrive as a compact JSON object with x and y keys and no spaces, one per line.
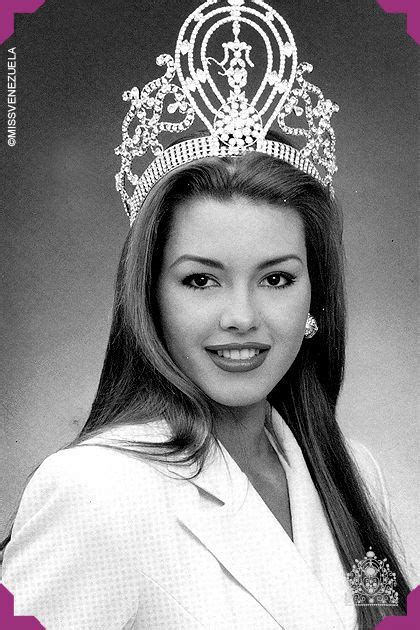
{"x":63,"y":224}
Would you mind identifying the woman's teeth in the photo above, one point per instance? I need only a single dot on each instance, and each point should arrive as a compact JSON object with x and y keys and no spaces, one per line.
{"x":247,"y":353}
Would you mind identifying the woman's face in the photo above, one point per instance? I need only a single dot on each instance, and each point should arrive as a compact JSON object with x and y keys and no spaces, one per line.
{"x":233,"y":295}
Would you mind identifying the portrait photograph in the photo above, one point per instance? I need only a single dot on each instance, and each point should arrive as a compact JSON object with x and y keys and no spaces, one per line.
{"x":208,"y":396}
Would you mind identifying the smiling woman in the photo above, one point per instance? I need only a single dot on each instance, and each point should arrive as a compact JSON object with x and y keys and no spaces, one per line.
{"x":220,"y":381}
{"x":250,"y":286}
{"x":211,"y":486}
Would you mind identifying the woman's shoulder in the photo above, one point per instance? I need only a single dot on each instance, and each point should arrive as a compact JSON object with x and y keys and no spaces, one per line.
{"x":364,"y":459}
{"x":91,"y":463}
{"x":371,"y":474}
{"x":78,"y":488}
{"x":95,"y":471}
{"x":87,"y":512}
{"x":362,"y":454}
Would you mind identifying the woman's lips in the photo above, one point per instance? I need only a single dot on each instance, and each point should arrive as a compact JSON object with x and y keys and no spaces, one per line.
{"x":238,"y":364}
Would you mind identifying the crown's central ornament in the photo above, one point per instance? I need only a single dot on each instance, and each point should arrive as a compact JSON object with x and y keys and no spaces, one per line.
{"x":237,"y":124}
{"x":216,"y":88}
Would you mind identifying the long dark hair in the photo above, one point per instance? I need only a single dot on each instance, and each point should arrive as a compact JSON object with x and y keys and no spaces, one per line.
{"x":140,"y":382}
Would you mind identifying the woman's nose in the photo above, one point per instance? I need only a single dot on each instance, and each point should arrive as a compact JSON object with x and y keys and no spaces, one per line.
{"x":239,"y":313}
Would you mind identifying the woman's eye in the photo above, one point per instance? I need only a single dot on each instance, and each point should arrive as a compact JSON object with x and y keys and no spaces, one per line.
{"x":199,"y":281}
{"x":203,"y":281}
{"x":278,"y":280}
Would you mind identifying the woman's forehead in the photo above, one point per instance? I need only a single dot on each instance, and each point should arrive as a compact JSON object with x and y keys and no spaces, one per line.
{"x":211,"y":226}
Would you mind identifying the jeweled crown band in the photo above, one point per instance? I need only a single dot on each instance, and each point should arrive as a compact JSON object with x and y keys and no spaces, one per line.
{"x":237,"y":122}
{"x":198,"y":148}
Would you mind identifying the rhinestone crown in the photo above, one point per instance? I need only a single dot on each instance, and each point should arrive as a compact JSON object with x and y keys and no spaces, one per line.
{"x":236,"y":122}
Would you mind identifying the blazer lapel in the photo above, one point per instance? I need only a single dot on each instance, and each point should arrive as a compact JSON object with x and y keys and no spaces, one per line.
{"x":244,"y":536}
{"x":232,"y":521}
{"x":311,"y":532}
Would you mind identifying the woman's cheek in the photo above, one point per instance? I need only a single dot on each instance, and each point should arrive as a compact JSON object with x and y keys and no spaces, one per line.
{"x":195,"y":308}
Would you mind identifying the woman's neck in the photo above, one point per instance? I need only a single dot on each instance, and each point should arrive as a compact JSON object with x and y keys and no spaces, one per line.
{"x":241,"y":431}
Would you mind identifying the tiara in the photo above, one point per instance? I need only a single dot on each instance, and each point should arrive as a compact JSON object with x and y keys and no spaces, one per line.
{"x":216,"y":90}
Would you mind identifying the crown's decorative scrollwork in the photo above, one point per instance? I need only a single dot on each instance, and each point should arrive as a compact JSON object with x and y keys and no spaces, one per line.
{"x":216,"y":89}
{"x":319,"y":134}
{"x":372,"y":582}
{"x":146,"y":132}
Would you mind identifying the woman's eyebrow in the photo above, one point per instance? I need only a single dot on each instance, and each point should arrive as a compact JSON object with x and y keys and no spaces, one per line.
{"x":216,"y":264}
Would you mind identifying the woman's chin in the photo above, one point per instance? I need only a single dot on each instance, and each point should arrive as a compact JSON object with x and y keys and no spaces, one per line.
{"x":242,"y":398}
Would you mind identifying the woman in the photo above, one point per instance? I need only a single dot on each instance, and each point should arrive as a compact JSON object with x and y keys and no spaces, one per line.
{"x":112,"y":538}
{"x":211,"y":486}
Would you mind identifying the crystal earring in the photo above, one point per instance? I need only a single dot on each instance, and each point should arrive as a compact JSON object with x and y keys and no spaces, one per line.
{"x":311,"y":327}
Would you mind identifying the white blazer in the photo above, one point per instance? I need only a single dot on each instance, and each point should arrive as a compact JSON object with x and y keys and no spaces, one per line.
{"x":103,"y":541}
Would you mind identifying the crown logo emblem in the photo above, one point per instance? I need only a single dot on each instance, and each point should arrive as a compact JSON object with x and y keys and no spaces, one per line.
{"x":211,"y":81}
{"x":372,"y":582}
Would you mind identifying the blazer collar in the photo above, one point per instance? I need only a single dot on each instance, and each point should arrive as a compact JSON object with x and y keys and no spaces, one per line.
{"x":220,"y":476}
{"x":242,"y":533}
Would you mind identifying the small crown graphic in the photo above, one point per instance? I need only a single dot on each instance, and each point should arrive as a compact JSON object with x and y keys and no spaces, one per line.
{"x":372,"y":582}
{"x":210,"y":80}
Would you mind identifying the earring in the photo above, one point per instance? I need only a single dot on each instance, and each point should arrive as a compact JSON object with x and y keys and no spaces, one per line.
{"x":311,"y":327}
